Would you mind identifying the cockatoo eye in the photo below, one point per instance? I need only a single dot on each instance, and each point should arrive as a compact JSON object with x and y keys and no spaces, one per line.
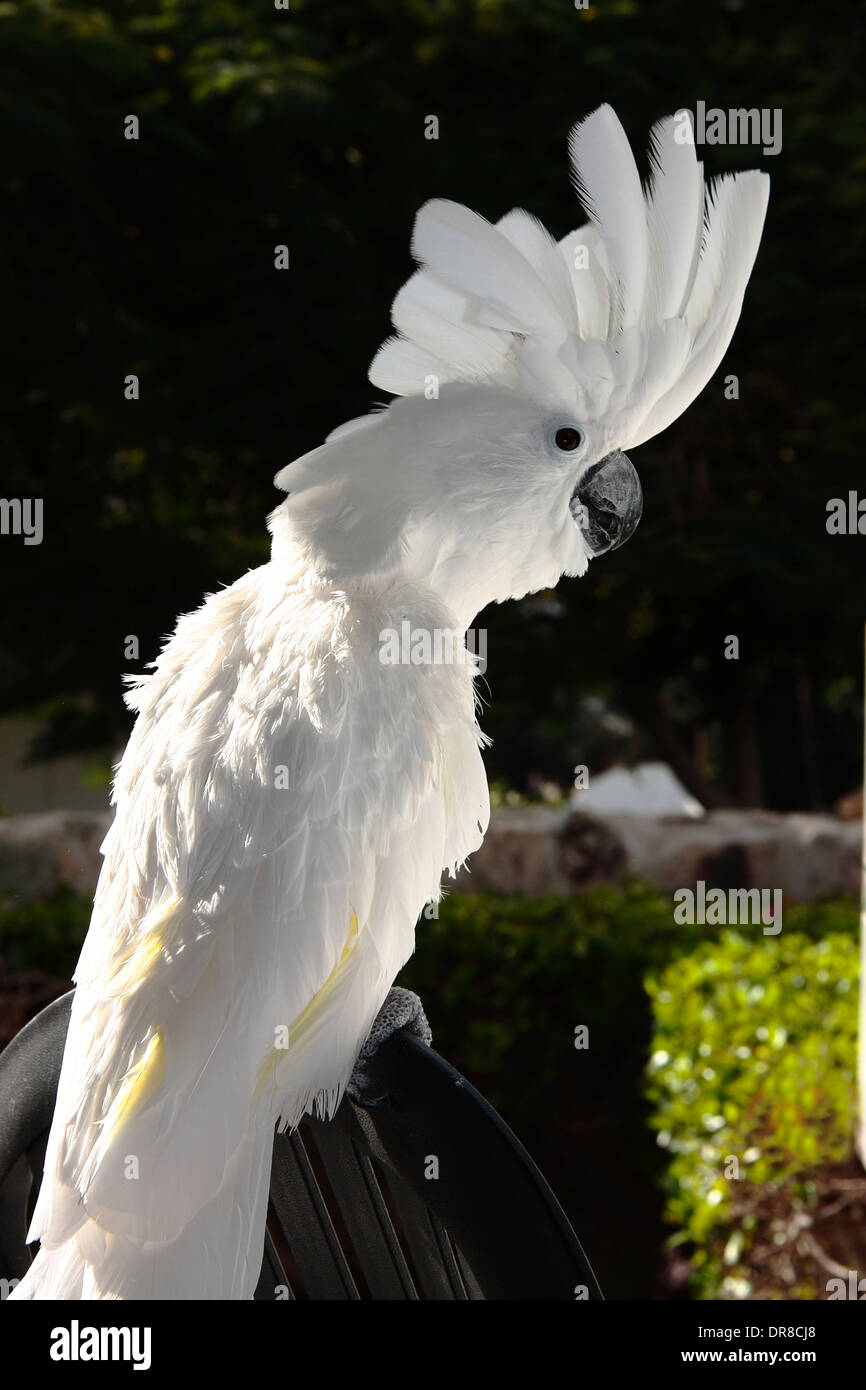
{"x":568,"y":439}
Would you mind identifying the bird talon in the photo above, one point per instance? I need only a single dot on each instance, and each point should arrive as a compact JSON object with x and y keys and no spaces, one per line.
{"x":401,"y":1010}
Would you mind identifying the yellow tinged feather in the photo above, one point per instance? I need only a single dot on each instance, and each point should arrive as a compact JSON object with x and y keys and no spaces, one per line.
{"x":350,"y":939}
{"x":135,"y":966}
{"x":140,"y":1084}
{"x":268,"y":1071}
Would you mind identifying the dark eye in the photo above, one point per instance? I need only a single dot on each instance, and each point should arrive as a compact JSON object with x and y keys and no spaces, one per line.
{"x":568,"y":439}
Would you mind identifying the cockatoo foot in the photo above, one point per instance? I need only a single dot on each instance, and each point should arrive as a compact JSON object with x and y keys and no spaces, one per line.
{"x":401,"y":1009}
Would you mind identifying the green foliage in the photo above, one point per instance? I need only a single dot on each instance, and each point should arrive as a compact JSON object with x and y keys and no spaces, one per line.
{"x":753,"y":1058}
{"x":45,"y":935}
{"x":508,"y":979}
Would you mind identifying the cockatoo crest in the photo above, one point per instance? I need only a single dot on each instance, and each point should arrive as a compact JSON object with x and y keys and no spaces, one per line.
{"x":523,"y":368}
{"x":627,"y":317}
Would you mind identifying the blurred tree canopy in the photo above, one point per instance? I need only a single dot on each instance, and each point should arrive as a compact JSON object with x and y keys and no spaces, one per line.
{"x":306,"y":126}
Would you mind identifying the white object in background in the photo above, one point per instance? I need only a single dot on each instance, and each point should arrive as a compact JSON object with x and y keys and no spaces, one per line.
{"x":650,"y":789}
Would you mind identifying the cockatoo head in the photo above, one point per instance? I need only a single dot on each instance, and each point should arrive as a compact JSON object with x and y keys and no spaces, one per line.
{"x":524,"y":369}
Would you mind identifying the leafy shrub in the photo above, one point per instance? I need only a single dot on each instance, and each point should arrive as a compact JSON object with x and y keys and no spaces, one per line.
{"x":506,"y":980}
{"x":753,"y":1076}
{"x":45,"y":935}
{"x":523,"y":963}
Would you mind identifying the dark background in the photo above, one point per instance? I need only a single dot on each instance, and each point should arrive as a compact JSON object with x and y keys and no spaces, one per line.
{"x":260,"y":126}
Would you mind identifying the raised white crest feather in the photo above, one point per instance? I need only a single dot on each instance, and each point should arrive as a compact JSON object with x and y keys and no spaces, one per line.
{"x":628,"y":316}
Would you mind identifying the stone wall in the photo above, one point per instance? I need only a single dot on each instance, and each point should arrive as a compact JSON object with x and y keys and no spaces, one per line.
{"x":536,"y":850}
{"x":40,"y":852}
{"x":530,"y":850}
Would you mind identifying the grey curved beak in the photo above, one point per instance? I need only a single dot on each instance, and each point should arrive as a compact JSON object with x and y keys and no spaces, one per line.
{"x":607,"y":503}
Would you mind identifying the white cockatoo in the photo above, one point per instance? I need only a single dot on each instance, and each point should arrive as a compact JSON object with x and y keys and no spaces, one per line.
{"x":289,"y":799}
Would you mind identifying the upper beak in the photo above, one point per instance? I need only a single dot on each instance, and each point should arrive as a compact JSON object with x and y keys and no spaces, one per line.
{"x":607,"y":503}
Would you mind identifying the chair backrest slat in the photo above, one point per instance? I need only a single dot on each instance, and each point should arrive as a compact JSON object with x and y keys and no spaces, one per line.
{"x":433,"y":1262}
{"x":272,"y":1276}
{"x":512,"y":1234}
{"x":362,"y":1207}
{"x":14,"y":1200}
{"x":306,"y":1225}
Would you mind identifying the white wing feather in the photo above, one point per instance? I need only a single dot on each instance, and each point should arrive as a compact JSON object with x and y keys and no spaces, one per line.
{"x":274,"y":886}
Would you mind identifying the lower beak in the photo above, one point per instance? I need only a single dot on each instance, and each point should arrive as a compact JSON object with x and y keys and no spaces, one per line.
{"x":607,"y":503}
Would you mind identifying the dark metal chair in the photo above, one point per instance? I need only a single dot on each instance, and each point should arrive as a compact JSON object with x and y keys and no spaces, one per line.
{"x":355,"y":1209}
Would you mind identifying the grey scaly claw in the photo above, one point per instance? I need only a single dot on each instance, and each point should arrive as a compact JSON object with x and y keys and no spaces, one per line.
{"x":401,"y":1009}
